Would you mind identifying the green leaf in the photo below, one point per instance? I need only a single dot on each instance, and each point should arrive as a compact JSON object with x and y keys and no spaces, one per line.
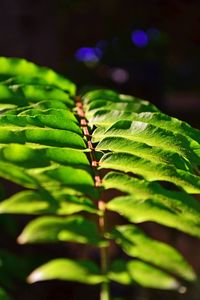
{"x":43,"y":148}
{"x":53,"y":229}
{"x":37,"y":93}
{"x":29,"y":157}
{"x":149,"y":134}
{"x":118,"y":272}
{"x":100,"y":94}
{"x":24,"y":95}
{"x":143,"y":274}
{"x":137,"y":106}
{"x":31,"y":202}
{"x":151,"y":171}
{"x":55,"y":178}
{"x":107,"y":118}
{"x":21,"y":67}
{"x":17,"y":174}
{"x":137,"y":211}
{"x":154,"y":154}
{"x":33,"y":110}
{"x":14,"y":96}
{"x":9,"y":269}
{"x":4,"y":295}
{"x":15,"y":122}
{"x":111,"y":100}
{"x":50,"y":107}
{"x":66,"y":269}
{"x":137,"y":244}
{"x":151,"y":277}
{"x":179,"y":207}
{"x":44,"y":136}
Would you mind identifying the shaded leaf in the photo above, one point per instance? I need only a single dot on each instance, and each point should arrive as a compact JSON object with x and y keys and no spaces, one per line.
{"x":55,"y":178}
{"x":31,"y":202}
{"x":28,"y":156}
{"x":118,"y":272}
{"x":4,"y":295}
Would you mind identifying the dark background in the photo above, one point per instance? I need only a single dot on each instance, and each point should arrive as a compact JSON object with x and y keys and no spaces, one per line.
{"x":161,"y":65}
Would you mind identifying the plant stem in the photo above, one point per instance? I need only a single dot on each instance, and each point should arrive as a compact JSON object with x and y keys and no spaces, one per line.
{"x":105,"y":291}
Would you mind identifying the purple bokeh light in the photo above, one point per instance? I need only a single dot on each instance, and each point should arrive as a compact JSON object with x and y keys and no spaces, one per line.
{"x":139,"y":38}
{"x":119,"y":75}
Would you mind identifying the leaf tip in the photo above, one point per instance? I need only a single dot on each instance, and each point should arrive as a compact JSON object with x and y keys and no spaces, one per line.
{"x":21,"y":239}
{"x":34,"y":277}
{"x":176,"y":285}
{"x":182,"y":289}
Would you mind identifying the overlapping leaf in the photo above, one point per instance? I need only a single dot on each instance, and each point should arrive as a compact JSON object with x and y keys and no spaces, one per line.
{"x":138,"y":272}
{"x":42,"y":148}
{"x":40,"y":202}
{"x":27,"y":72}
{"x":132,"y":241}
{"x":151,"y":147}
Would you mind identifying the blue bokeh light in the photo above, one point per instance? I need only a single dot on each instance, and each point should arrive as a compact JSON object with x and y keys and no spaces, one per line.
{"x":139,"y":38}
{"x":88,"y":54}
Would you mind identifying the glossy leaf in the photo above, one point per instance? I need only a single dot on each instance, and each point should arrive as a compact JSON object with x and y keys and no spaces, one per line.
{"x":66,"y":269}
{"x":23,"y":95}
{"x":138,"y":211}
{"x":111,"y":100}
{"x":31,"y":202}
{"x":147,"y":133}
{"x":28,"y":156}
{"x":154,"y":154}
{"x":107,"y":118}
{"x":151,"y":171}
{"x":179,"y":202}
{"x":137,"y":244}
{"x":53,"y":229}
{"x":44,"y":148}
{"x":20,"y":67}
{"x":137,"y":272}
{"x":150,"y":277}
{"x":55,"y":178}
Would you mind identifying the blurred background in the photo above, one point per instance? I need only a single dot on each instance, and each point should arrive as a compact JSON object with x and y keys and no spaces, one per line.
{"x":149,"y":49}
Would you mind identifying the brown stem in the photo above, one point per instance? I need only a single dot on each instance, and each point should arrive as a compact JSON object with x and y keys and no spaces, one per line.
{"x":105,"y":293}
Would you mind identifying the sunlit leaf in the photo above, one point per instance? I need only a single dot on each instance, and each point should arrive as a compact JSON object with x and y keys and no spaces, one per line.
{"x":53,"y":229}
{"x":150,"y":277}
{"x":66,"y":269}
{"x":137,"y":244}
